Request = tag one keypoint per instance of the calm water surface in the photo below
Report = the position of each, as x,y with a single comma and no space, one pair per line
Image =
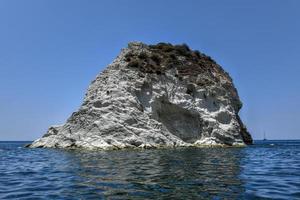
265,170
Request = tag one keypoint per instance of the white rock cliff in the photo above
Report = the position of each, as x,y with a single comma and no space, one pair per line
155,96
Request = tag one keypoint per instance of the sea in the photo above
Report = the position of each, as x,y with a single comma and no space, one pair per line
266,170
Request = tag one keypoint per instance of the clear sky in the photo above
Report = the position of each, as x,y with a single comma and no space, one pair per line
51,50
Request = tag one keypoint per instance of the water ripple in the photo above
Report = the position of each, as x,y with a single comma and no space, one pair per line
260,171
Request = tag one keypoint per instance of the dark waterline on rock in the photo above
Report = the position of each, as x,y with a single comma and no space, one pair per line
269,169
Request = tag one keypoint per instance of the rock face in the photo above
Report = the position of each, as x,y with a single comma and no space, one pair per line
155,96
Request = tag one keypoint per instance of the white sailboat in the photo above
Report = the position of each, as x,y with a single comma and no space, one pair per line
264,136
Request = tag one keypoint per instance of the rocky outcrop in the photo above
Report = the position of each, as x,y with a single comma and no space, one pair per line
155,96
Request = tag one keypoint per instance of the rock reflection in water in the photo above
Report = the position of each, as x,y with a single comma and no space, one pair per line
181,173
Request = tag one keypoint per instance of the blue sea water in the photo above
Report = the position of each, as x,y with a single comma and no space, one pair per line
265,170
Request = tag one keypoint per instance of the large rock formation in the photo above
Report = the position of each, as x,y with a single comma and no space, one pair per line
155,96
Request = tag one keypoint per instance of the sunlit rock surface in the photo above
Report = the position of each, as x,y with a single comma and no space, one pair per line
155,96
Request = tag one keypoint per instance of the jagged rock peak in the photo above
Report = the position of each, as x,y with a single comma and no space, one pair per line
159,95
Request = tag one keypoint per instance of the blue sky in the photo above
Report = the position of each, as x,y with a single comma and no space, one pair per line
51,50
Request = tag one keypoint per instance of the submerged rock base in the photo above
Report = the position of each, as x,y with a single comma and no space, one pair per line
155,96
